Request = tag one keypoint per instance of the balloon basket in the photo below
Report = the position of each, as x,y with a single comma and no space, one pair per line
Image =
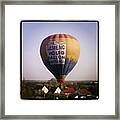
61,83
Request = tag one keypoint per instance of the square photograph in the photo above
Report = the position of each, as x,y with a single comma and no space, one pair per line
59,60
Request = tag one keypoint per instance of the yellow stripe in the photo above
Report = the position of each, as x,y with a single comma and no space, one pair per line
72,49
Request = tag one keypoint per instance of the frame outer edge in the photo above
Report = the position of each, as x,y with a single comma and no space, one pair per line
2,59
59,2
117,25
0,66
118,81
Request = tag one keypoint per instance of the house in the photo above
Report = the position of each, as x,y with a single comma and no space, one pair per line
84,92
45,89
58,90
69,90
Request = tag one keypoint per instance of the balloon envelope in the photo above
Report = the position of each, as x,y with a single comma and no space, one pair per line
60,53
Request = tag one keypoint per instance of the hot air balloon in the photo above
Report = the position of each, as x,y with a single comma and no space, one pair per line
60,53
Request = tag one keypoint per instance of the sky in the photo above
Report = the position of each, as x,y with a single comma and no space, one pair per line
33,33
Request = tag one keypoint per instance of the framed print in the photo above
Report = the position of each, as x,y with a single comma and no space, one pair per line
59,52
59,60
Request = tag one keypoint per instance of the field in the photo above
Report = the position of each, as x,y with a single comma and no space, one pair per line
51,90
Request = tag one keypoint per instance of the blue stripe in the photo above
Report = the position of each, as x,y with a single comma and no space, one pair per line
60,69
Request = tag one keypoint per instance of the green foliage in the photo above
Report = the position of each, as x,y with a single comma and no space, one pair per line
33,90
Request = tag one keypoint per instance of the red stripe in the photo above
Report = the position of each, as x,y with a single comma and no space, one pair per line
54,36
51,37
61,36
73,37
57,35
65,36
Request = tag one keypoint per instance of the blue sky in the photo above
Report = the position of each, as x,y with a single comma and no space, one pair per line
35,32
